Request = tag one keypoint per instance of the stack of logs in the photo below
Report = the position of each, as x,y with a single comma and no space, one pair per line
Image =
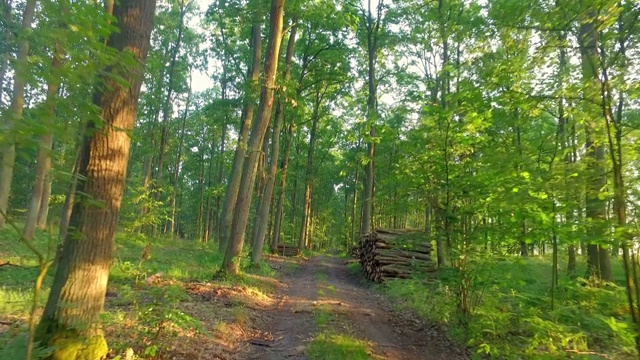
287,250
387,254
355,251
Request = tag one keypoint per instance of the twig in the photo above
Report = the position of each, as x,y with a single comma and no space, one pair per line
9,263
604,356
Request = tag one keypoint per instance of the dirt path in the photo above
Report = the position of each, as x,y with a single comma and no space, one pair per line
325,284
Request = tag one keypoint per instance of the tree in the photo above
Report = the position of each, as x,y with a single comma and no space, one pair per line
262,218
70,322
14,116
258,130
599,256
372,27
231,196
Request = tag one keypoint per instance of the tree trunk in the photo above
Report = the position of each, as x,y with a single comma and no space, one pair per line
176,172
258,129
373,29
265,204
231,196
277,226
38,209
8,38
599,260
70,323
166,109
15,112
306,208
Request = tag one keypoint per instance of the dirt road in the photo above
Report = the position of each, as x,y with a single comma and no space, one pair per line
325,285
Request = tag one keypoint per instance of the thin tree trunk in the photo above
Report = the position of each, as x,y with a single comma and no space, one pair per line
15,112
39,207
176,172
259,127
265,204
8,38
166,109
373,29
306,212
70,324
231,196
277,227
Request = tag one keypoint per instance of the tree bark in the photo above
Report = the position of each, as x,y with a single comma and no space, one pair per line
166,109
258,129
306,208
265,204
8,35
70,323
373,28
176,173
599,259
15,112
231,196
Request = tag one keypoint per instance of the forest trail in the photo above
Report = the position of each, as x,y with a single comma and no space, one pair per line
322,294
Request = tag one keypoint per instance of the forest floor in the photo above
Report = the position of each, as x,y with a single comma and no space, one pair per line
168,306
324,310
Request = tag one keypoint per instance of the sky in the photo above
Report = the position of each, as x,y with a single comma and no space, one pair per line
201,79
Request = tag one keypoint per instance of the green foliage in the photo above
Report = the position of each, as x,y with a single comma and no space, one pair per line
512,315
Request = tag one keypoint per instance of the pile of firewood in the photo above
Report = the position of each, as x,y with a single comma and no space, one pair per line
388,254
287,250
355,251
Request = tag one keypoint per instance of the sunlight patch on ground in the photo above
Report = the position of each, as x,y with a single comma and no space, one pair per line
247,296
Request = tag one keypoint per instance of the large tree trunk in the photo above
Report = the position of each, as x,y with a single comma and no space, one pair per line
599,259
70,324
15,112
245,193
265,204
231,196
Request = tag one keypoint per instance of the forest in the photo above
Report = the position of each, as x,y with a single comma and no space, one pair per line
326,179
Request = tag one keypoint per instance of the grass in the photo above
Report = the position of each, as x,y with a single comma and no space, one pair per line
333,346
512,316
166,319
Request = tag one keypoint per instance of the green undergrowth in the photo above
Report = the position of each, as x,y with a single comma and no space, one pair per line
160,292
512,315
329,345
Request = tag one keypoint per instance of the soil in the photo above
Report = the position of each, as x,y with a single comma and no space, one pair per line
326,282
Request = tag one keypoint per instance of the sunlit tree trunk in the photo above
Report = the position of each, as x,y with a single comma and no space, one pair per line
258,129
231,196
265,204
14,114
70,324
